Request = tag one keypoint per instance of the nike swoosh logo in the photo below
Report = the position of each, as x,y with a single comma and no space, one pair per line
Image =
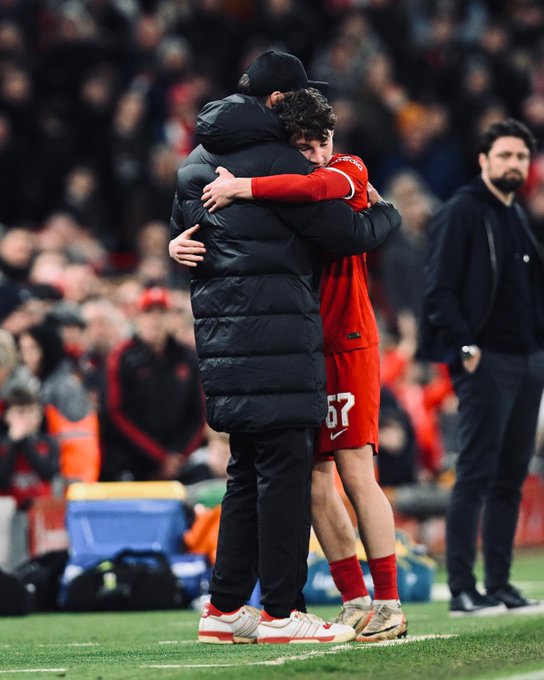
337,434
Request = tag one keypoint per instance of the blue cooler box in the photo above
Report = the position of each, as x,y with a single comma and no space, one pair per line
106,517
101,528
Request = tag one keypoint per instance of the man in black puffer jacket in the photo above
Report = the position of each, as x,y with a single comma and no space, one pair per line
255,299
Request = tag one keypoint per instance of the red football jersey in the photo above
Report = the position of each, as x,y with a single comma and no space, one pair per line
348,317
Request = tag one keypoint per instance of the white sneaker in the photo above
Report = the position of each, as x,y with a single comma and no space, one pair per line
238,627
356,613
301,627
387,622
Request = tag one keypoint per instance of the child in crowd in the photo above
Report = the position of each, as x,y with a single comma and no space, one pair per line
29,459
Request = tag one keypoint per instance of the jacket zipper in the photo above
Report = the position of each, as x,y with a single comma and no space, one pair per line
495,277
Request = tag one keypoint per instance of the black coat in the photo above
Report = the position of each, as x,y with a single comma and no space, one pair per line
465,261
255,297
153,407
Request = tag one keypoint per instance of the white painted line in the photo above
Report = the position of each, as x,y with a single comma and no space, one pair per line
71,644
178,642
36,670
404,641
308,655
531,675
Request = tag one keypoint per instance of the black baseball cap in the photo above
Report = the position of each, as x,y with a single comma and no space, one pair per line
280,71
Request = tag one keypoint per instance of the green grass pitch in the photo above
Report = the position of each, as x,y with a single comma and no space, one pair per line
162,646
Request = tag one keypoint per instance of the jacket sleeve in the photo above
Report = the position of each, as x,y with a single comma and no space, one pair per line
450,239
333,227
320,185
191,178
176,218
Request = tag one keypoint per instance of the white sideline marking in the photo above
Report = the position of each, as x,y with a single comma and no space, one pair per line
36,670
531,675
71,644
178,642
308,655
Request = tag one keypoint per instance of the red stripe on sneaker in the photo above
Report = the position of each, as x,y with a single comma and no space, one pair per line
289,638
220,635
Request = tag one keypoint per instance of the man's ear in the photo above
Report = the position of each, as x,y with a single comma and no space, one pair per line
482,158
276,97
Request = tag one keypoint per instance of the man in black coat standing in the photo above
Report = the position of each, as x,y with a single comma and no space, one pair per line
484,316
255,299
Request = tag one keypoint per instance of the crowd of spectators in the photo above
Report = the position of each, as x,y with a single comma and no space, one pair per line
98,104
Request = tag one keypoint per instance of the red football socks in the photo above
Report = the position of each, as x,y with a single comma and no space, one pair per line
348,578
384,575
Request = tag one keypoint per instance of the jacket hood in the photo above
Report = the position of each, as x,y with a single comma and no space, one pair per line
225,125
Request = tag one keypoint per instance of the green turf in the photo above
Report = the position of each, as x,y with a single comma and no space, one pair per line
127,645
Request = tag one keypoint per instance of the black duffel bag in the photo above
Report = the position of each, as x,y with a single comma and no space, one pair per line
41,576
15,599
131,580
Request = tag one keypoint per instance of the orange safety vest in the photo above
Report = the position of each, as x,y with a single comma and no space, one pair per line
78,444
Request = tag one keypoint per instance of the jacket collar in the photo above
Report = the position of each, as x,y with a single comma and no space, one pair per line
227,124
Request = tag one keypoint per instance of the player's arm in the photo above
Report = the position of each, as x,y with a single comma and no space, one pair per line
322,184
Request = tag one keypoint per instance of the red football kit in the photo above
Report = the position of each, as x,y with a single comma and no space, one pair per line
353,377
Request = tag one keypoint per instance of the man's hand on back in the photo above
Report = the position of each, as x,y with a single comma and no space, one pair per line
184,250
373,195
222,191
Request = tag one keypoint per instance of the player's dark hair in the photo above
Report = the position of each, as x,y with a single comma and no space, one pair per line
506,128
306,114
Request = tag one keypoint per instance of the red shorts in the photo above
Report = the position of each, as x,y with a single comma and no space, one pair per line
353,397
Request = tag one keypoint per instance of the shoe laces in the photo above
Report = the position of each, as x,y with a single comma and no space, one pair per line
312,618
348,609
381,614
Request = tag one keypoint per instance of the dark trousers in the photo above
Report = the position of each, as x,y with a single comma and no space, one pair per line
265,521
498,410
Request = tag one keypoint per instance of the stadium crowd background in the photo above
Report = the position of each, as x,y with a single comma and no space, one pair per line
98,104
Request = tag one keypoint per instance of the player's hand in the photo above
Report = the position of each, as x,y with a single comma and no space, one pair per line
217,195
184,250
373,195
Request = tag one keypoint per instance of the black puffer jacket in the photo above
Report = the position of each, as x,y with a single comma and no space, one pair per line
255,296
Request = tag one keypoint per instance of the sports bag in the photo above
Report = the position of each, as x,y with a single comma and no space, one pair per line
130,580
15,599
41,576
